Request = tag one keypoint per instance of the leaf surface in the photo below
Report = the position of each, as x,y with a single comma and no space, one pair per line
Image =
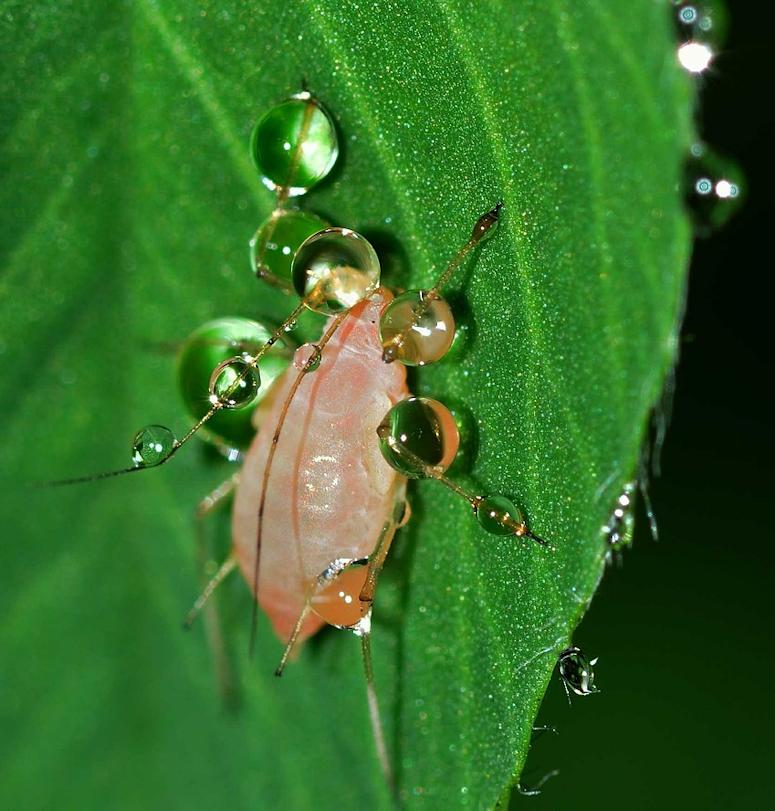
128,202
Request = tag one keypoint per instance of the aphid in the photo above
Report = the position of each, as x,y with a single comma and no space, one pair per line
576,672
323,486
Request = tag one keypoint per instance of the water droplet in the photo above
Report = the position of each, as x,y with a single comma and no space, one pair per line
152,445
695,56
498,516
294,145
234,383
335,269
702,21
416,328
338,602
307,358
714,189
418,433
209,346
619,529
276,241
577,671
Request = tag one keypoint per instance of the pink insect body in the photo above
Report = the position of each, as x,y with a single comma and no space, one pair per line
330,492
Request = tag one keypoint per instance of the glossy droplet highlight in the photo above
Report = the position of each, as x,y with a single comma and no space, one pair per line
577,671
418,437
416,328
152,445
294,145
307,358
713,189
234,383
276,241
204,350
498,516
335,269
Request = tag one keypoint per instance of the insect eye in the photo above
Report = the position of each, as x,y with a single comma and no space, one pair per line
294,145
335,269
339,602
419,437
416,328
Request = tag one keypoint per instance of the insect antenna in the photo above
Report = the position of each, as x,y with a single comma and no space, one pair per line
430,428
418,327
233,384
480,231
311,363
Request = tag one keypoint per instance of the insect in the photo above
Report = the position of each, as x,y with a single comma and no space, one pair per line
322,488
577,672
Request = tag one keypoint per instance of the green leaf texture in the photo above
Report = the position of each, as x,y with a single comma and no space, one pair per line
128,201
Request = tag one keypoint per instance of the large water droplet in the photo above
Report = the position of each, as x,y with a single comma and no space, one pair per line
713,189
416,328
577,671
152,445
335,269
276,241
426,429
206,348
294,145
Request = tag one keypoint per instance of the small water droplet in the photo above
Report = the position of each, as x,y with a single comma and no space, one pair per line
702,21
152,445
307,358
713,189
695,57
577,672
620,525
497,515
234,383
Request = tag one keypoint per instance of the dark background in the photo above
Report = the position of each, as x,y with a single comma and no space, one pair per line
682,630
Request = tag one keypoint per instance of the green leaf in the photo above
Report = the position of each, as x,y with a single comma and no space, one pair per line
128,202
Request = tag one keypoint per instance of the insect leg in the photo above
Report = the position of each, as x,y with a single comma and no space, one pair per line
376,562
224,672
374,714
293,637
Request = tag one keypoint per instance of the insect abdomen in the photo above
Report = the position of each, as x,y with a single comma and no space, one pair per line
330,490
